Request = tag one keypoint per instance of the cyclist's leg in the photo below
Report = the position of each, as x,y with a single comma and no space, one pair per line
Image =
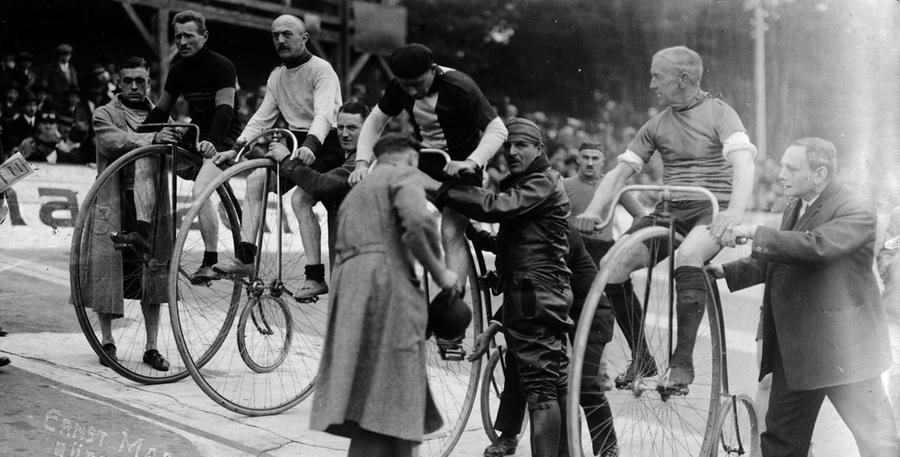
251,215
453,229
151,325
692,296
311,237
629,314
209,221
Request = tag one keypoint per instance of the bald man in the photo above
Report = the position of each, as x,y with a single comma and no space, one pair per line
304,90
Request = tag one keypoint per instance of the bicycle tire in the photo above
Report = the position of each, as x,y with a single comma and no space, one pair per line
737,427
645,423
225,377
84,238
491,389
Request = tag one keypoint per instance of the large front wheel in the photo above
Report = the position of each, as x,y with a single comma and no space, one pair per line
268,360
647,422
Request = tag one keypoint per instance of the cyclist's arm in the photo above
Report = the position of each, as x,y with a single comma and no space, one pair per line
222,116
484,205
633,205
324,108
368,136
612,183
482,239
164,106
494,135
264,118
740,152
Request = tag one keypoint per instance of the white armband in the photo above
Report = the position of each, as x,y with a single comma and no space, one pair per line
736,142
631,159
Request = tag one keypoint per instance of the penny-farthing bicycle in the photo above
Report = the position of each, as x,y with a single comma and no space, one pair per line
97,267
272,343
706,420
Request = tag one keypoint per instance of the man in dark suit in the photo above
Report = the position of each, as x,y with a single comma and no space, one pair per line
824,331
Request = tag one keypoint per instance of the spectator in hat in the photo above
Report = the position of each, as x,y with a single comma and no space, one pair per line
41,146
61,76
68,150
25,123
24,73
71,105
98,92
44,98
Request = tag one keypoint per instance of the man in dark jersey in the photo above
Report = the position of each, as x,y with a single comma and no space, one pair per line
702,143
448,112
207,81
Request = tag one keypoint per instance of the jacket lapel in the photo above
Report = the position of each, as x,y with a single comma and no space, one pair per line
816,205
790,214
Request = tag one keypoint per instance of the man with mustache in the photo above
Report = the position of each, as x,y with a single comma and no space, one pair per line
703,143
305,91
207,80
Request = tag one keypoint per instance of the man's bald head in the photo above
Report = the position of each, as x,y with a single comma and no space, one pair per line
289,37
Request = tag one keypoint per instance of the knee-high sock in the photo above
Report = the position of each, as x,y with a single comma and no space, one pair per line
692,296
628,311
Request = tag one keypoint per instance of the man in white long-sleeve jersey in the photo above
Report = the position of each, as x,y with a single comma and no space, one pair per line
304,90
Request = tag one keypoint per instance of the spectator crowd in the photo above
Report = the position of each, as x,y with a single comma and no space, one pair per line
46,108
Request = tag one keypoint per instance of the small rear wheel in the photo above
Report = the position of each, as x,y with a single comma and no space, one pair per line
738,428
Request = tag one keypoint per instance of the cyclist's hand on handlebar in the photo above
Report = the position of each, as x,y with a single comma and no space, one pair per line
725,221
224,157
305,155
716,269
278,151
362,169
585,223
737,235
207,149
456,168
167,135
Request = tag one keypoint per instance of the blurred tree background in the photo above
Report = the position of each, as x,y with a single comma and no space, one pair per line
832,69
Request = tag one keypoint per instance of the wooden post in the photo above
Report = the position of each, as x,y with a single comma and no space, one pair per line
162,43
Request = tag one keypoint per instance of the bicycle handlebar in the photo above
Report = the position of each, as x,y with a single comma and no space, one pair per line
143,128
667,195
246,146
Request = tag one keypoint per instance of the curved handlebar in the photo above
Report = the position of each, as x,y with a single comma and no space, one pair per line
435,151
667,195
159,126
246,146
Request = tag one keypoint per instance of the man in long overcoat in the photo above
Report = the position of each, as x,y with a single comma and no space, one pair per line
107,278
372,384
824,332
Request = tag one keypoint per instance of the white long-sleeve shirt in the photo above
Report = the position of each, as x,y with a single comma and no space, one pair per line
308,96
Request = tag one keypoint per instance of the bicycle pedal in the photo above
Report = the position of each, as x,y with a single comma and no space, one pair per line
451,352
665,392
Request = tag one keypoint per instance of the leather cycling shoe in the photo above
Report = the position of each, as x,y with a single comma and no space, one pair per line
156,360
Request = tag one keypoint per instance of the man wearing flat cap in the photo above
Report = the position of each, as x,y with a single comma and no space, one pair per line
532,243
61,76
448,112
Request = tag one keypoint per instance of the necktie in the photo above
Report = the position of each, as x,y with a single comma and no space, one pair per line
803,207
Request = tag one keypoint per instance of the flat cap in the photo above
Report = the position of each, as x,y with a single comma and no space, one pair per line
523,129
64,49
411,60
